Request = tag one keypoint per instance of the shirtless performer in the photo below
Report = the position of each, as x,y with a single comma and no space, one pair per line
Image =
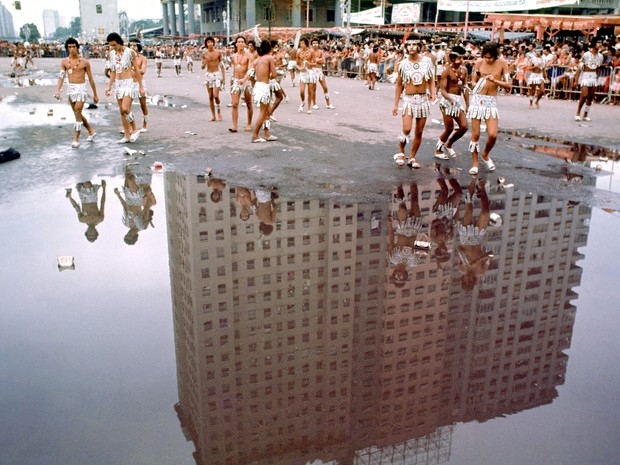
291,66
75,70
307,78
141,68
536,78
275,85
319,59
264,70
415,76
589,63
489,73
372,67
241,84
453,103
121,80
215,78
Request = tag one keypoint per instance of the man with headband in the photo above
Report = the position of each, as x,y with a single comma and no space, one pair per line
453,103
489,73
415,76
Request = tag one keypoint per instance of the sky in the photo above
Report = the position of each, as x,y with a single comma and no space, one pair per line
32,10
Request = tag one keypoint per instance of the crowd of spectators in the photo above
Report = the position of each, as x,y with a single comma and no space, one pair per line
348,59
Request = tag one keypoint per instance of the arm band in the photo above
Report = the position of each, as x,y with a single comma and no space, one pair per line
62,74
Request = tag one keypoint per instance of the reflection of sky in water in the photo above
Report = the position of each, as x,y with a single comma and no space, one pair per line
88,371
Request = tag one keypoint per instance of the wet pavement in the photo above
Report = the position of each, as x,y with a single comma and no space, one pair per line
183,333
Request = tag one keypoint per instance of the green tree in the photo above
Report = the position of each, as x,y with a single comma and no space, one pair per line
75,28
29,32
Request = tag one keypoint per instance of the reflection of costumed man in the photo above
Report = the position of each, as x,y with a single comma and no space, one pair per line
89,214
266,210
415,77
139,198
75,70
403,230
122,81
453,103
589,63
445,210
474,259
536,78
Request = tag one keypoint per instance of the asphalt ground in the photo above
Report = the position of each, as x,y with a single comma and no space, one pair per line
346,150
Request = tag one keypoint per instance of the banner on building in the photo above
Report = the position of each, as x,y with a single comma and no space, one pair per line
372,16
406,13
491,6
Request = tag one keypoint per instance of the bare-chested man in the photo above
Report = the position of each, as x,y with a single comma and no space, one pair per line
319,60
140,66
215,78
372,67
122,80
264,70
241,84
536,78
453,103
415,75
75,70
489,73
291,66
307,78
275,85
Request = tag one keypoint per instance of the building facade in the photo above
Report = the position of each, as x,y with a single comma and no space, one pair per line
7,28
99,18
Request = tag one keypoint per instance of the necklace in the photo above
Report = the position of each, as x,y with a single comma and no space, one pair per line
72,67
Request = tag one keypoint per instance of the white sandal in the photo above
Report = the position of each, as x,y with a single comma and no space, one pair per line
400,159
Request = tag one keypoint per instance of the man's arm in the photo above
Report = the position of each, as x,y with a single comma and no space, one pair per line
61,79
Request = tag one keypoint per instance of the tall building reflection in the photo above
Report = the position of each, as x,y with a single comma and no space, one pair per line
296,344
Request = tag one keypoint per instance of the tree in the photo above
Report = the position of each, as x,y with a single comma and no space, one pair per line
75,28
29,32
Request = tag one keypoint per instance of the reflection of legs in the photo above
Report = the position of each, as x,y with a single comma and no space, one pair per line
483,218
455,198
468,217
415,203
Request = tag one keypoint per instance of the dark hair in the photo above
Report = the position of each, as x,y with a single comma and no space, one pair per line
264,48
115,37
209,39
137,44
71,41
304,40
490,48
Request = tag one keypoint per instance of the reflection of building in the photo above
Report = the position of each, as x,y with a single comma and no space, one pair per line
505,342
99,18
295,346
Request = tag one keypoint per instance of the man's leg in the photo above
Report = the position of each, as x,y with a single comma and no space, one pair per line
417,139
474,145
250,109
460,132
235,97
211,103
